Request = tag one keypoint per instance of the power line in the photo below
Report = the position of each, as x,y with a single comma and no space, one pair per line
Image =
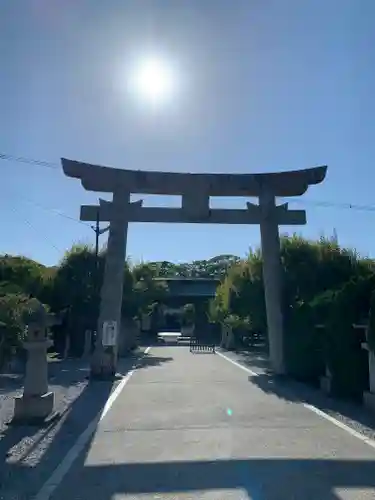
328,204
39,163
26,221
31,161
316,203
55,211
53,166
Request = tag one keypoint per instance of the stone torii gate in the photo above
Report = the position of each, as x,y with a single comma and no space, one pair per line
196,190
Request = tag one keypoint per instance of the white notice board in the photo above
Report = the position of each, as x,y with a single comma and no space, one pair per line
109,337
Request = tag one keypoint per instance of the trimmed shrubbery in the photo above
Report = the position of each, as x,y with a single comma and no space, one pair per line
323,285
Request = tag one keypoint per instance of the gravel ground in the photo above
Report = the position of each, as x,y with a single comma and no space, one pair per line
29,454
67,380
353,415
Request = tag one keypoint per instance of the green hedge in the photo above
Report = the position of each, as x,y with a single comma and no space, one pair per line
344,356
371,324
303,345
308,349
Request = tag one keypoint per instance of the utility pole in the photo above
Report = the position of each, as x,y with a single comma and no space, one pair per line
97,232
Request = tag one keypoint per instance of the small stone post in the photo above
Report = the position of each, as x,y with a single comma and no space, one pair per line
36,402
227,337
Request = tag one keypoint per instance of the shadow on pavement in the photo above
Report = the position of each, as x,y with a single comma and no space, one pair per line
253,359
148,360
291,390
10,382
63,372
29,455
260,478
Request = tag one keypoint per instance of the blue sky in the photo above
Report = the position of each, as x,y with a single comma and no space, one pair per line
265,85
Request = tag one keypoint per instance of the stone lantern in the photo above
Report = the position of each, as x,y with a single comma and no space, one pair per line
36,402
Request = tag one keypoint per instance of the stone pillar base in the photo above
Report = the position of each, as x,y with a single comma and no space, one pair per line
30,409
369,400
102,374
103,365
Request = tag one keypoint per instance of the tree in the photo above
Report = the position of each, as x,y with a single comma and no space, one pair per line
146,290
188,315
241,294
75,290
15,310
315,275
217,267
21,275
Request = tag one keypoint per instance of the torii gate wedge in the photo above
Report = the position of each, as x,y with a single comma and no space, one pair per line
196,190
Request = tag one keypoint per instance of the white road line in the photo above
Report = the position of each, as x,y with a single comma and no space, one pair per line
370,442
341,425
59,473
237,364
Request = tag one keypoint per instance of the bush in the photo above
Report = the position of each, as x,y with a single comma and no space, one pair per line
303,344
241,328
344,355
188,315
371,324
241,296
14,312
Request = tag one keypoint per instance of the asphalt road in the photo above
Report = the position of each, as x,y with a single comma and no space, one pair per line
194,426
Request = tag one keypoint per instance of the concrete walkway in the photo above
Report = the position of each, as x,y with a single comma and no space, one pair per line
193,426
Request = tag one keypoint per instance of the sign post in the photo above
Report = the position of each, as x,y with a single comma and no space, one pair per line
109,337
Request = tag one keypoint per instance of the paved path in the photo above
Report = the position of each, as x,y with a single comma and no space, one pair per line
192,426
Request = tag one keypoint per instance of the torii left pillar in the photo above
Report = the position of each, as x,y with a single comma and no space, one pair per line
104,359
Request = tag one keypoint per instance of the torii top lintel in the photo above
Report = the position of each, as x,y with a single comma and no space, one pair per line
105,179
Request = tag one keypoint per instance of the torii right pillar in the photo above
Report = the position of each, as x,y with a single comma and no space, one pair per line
272,279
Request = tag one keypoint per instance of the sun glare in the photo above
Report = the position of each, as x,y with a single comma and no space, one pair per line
153,80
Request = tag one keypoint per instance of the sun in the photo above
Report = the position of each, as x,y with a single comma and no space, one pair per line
153,80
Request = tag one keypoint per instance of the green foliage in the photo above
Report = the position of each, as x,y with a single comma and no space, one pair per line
72,289
241,294
311,268
344,356
188,315
217,267
15,311
21,275
303,344
337,345
75,289
241,327
145,290
236,323
322,284
371,324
